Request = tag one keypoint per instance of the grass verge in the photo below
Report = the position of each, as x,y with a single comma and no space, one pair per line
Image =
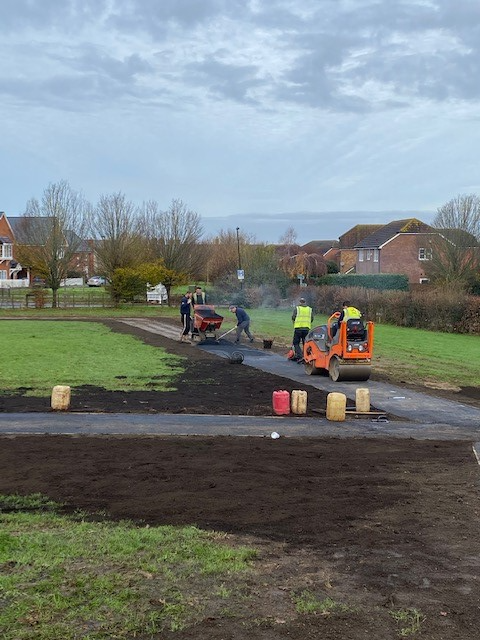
41,354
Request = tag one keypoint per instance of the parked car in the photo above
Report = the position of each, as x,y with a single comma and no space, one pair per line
157,294
96,281
39,282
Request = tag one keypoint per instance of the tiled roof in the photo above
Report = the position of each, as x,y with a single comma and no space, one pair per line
390,230
319,246
356,234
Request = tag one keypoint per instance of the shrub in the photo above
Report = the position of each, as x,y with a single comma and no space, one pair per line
381,281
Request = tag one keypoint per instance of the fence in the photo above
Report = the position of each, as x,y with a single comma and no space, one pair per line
24,298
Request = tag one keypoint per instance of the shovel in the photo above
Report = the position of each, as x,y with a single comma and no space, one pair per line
226,334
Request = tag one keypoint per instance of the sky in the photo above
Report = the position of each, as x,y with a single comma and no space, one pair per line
258,114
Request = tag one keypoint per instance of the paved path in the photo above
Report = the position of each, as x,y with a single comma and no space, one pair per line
406,404
203,425
426,417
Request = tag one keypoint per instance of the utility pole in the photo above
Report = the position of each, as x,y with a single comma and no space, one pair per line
239,260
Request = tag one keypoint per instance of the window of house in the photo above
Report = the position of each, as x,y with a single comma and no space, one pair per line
375,255
360,255
424,254
3,274
6,251
369,254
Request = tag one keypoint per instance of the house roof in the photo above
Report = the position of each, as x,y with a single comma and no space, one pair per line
27,228
319,246
31,230
5,240
392,229
357,233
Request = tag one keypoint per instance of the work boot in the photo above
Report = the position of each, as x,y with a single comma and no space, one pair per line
251,339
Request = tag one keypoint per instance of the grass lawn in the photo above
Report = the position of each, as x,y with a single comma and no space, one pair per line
42,354
411,355
72,578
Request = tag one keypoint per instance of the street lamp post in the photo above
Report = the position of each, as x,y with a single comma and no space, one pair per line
239,259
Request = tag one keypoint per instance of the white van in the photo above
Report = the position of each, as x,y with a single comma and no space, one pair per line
157,294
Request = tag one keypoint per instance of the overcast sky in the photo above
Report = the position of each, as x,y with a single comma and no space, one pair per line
261,114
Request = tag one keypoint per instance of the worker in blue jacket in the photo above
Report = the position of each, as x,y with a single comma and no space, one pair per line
243,322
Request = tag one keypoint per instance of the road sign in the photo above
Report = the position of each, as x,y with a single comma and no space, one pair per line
240,274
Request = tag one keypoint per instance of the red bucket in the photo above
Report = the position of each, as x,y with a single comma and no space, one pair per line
281,403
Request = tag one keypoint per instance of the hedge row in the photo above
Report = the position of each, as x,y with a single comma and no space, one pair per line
379,281
428,308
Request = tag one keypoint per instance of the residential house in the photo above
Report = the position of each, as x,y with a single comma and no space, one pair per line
343,253
82,261
402,246
9,268
319,246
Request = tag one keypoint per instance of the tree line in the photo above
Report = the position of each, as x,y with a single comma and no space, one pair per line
138,244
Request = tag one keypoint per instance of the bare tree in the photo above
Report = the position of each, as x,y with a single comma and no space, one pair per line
223,253
462,213
289,237
52,232
115,226
173,235
454,254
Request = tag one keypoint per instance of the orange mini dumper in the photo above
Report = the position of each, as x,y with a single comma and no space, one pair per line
206,322
345,354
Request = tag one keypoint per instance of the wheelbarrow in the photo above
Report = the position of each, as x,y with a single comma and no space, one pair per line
206,322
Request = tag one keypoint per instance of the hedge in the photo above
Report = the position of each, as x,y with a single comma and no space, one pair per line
380,281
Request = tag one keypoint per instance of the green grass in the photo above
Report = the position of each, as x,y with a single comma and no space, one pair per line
408,620
415,354
67,578
411,355
38,355
307,603
405,354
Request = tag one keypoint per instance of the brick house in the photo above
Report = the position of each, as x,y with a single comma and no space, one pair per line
402,246
343,252
83,260
9,268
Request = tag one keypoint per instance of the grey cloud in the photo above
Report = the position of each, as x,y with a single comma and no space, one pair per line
94,61
67,13
69,93
156,16
317,75
225,80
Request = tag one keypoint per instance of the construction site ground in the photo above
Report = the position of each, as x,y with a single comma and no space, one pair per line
379,517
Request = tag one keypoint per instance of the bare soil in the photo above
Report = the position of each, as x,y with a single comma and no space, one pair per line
380,526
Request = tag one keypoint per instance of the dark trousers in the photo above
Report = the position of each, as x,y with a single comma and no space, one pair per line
299,335
243,326
185,317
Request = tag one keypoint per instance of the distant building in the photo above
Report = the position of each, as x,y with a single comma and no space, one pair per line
9,267
401,246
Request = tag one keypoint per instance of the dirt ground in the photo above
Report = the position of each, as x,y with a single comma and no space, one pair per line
380,526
